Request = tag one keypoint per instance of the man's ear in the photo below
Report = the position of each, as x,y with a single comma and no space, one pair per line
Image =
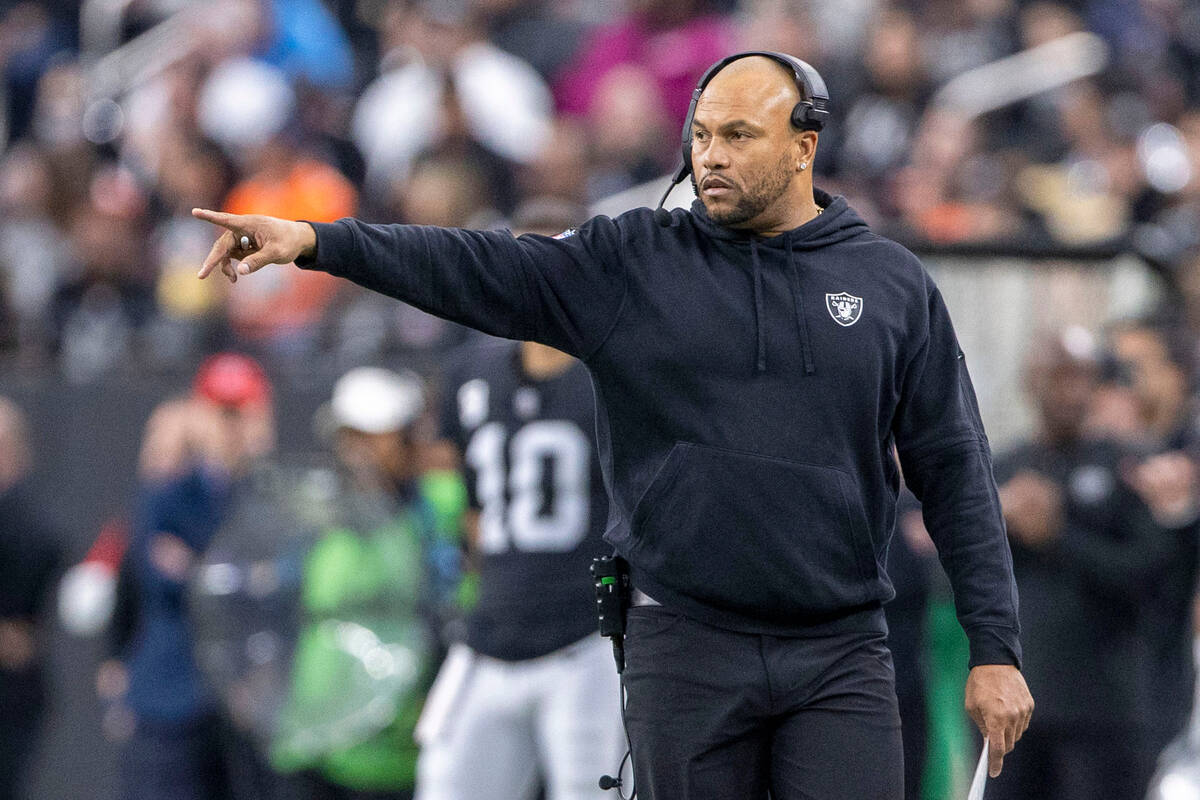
804,145
808,146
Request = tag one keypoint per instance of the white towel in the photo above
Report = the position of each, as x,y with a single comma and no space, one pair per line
981,775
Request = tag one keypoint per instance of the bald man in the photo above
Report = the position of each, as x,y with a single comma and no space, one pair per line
756,359
29,561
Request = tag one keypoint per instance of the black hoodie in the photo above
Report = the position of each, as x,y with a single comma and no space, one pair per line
749,393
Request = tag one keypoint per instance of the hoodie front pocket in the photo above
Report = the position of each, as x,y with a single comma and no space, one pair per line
766,537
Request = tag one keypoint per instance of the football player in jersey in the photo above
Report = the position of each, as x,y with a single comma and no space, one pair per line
530,698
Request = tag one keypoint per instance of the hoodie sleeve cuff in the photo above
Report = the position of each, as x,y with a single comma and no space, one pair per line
993,644
335,246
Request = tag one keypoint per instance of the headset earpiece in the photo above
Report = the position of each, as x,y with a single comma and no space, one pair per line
807,117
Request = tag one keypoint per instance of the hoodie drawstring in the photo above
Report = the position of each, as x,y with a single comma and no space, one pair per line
801,319
761,342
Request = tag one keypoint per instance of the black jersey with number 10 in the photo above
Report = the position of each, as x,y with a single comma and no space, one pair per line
529,457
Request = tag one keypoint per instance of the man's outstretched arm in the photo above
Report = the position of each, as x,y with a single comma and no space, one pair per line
565,292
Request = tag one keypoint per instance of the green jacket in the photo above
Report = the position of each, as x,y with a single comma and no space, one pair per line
363,659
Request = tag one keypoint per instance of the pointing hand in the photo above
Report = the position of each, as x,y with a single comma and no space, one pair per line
255,241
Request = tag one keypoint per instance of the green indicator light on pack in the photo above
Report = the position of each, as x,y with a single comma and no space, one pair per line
608,580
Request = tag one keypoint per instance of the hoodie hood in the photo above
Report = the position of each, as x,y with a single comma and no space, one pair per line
837,222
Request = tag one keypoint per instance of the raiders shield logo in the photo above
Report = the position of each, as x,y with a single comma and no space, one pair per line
844,308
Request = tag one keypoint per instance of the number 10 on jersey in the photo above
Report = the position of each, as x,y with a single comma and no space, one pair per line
537,499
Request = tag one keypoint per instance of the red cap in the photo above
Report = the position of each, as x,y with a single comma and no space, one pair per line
232,379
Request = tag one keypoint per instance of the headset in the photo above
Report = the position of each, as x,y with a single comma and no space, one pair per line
810,114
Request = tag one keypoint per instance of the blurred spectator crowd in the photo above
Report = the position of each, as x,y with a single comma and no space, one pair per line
117,118
120,117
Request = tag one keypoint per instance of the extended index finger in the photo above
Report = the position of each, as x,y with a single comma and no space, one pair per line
996,750
995,753
218,256
229,221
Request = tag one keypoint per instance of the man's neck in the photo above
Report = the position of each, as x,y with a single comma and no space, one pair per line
794,210
806,213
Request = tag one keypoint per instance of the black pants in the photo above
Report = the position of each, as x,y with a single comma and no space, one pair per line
205,759
19,727
175,762
719,715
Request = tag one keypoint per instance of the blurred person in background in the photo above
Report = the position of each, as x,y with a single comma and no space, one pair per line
562,169
188,322
1186,313
1154,360
882,115
444,191
390,568
1083,183
194,451
104,303
444,89
528,697
1166,477
323,123
362,326
284,315
57,128
306,41
1037,123
297,58
302,38
630,136
962,35
783,26
383,439
1086,193
1173,219
35,256
33,35
667,43
536,31
161,118
1088,552
954,188
29,561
